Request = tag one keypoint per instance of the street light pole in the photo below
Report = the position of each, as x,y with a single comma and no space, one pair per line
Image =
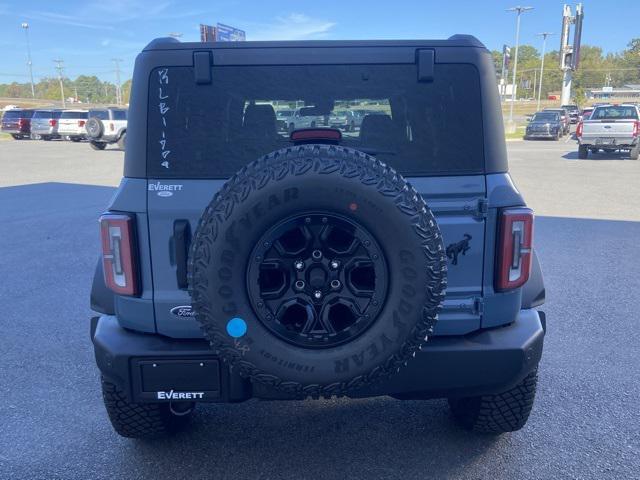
519,10
544,36
117,61
25,26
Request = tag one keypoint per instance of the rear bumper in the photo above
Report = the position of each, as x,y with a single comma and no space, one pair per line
147,367
540,135
16,131
71,133
618,142
52,131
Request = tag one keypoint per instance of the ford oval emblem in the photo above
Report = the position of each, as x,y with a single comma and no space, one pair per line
165,193
183,311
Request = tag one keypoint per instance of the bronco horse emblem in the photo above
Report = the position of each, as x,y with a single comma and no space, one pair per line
456,249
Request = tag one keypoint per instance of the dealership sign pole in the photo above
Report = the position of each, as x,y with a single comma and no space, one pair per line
570,54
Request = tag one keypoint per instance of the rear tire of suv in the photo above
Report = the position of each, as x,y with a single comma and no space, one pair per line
634,153
98,145
583,151
16,136
501,413
140,420
122,141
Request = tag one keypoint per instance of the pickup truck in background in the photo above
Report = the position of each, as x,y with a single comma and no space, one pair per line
610,128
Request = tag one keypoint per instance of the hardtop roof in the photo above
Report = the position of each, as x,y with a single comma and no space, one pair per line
170,43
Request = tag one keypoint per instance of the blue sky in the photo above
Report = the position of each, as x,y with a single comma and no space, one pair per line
87,34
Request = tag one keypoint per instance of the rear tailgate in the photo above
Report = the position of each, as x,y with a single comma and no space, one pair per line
456,201
69,126
613,129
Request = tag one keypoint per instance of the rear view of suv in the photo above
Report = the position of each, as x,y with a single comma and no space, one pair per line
105,126
72,124
17,122
242,261
44,124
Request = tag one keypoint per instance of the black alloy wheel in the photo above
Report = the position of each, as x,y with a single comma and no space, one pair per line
317,280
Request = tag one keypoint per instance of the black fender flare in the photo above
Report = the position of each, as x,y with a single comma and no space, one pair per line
102,298
533,292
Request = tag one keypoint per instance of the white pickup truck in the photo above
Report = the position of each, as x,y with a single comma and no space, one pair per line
610,128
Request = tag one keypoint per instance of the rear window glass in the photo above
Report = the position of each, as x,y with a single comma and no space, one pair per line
43,114
614,113
99,114
211,131
74,115
17,114
119,114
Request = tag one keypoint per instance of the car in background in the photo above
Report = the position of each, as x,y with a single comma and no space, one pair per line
17,122
347,120
574,112
44,124
282,119
105,126
610,128
544,124
305,117
564,117
72,123
586,113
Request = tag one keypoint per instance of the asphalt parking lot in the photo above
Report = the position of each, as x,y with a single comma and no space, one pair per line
585,423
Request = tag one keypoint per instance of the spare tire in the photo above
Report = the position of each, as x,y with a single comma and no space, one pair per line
317,270
94,127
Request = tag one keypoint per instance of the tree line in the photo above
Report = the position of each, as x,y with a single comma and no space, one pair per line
86,88
596,69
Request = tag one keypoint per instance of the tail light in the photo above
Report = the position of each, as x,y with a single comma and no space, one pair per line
579,129
636,128
22,122
111,127
53,122
81,123
514,248
118,253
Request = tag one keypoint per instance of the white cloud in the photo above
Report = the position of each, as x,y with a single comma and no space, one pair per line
294,26
71,20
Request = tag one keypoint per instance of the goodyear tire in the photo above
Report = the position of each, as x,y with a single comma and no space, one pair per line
500,413
317,270
122,141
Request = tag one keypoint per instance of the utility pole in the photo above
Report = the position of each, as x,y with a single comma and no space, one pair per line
544,36
25,26
519,11
59,68
117,61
